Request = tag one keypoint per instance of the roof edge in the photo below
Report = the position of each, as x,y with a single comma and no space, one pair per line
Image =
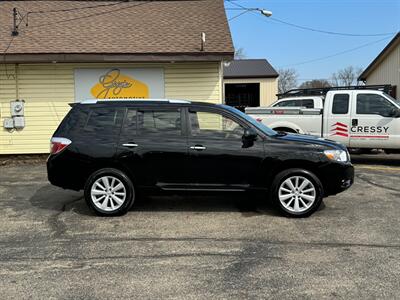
251,77
114,58
363,76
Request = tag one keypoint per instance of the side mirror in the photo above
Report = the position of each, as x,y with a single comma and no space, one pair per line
249,134
393,113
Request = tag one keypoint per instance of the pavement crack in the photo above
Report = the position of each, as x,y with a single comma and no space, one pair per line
376,184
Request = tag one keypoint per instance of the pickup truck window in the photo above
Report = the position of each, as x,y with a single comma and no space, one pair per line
373,104
340,105
214,125
307,103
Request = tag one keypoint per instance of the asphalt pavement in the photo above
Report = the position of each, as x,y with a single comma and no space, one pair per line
200,246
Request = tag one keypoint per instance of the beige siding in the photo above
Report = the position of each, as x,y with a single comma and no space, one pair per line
388,71
48,88
268,88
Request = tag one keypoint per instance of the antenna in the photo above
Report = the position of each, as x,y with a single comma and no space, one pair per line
17,20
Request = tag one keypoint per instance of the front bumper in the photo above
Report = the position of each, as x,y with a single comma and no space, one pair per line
336,177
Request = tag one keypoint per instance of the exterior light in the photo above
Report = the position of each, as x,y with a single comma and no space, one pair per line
266,13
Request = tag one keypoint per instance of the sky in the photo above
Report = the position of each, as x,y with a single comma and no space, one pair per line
288,47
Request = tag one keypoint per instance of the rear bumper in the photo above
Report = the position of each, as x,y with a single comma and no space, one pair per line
64,174
337,178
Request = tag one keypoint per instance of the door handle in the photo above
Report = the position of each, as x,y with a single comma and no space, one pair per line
198,148
354,122
130,145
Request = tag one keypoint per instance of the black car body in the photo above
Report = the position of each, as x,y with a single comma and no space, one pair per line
182,145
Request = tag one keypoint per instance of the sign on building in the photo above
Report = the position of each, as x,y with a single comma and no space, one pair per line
117,83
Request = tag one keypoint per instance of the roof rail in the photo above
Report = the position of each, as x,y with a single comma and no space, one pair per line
387,88
172,101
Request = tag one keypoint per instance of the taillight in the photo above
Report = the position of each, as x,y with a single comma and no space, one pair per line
58,144
258,119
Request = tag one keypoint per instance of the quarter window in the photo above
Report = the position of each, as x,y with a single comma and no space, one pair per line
340,105
373,104
214,125
104,119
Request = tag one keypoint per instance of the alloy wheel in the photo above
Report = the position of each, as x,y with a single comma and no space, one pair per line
108,193
297,194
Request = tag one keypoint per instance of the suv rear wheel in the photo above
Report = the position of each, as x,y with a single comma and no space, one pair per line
109,192
297,192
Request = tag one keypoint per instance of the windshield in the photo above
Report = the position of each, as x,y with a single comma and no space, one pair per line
256,124
393,99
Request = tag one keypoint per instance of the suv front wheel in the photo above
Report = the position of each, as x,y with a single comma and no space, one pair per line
109,192
297,192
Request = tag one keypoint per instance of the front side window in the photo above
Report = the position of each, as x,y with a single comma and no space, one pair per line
160,122
340,105
214,125
373,104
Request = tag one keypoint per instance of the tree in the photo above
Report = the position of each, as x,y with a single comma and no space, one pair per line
240,53
316,83
287,80
346,77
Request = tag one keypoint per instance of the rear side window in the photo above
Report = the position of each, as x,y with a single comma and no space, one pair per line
160,122
104,119
307,103
340,105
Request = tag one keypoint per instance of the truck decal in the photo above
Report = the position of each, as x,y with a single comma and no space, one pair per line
340,129
359,132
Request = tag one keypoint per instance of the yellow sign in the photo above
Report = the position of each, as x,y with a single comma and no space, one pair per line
113,84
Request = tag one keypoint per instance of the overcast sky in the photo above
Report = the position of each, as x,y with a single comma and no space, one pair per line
287,46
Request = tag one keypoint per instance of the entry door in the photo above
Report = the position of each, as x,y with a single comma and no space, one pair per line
372,123
218,158
337,126
153,146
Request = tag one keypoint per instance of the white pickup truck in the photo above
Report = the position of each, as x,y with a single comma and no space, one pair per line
358,117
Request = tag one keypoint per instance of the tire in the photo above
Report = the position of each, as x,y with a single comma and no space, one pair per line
109,192
285,196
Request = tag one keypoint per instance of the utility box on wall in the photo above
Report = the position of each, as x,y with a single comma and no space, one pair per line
17,120
17,108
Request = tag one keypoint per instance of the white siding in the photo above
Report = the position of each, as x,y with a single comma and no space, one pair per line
388,70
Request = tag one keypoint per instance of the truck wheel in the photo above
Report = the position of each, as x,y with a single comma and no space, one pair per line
296,192
109,192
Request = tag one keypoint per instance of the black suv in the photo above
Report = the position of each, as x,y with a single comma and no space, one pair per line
114,148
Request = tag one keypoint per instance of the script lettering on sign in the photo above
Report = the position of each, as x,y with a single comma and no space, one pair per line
114,84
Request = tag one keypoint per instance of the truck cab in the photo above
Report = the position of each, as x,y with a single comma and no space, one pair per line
359,117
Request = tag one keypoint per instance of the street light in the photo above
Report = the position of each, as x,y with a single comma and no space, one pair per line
264,12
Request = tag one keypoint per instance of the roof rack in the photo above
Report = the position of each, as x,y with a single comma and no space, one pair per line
387,88
174,101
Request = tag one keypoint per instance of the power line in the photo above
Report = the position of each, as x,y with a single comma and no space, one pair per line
335,54
241,7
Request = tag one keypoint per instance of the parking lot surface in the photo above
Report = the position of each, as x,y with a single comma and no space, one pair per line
200,246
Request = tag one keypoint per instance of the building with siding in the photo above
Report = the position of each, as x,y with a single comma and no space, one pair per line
74,50
250,82
385,68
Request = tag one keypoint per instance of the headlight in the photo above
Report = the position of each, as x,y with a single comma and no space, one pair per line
337,155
